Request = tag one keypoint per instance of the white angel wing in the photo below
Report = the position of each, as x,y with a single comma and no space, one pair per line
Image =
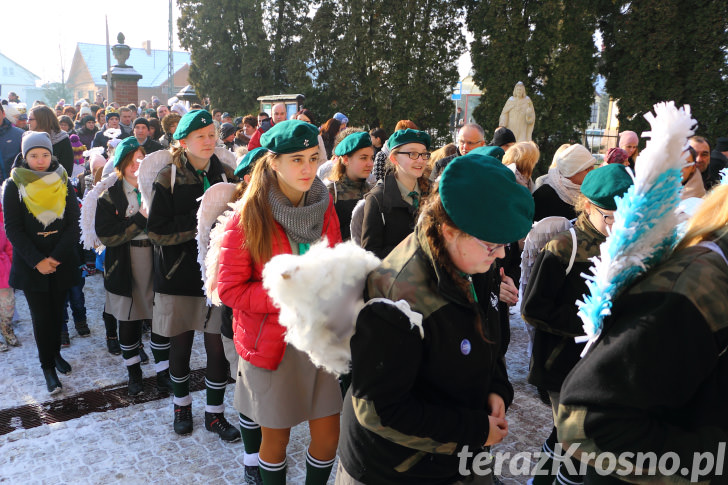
148,170
226,156
540,234
214,202
89,239
320,295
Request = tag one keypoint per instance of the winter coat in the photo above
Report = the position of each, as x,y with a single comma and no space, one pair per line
115,231
32,242
6,255
87,136
656,380
151,146
549,303
10,142
172,226
258,335
102,141
346,194
548,203
418,396
388,218
63,151
718,162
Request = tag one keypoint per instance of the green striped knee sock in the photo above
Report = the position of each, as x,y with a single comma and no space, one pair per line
272,473
317,471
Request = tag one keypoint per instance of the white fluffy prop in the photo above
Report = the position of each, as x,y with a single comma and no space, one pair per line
89,239
226,156
320,295
212,206
148,170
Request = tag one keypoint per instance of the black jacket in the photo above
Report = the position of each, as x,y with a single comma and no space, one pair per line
388,218
419,396
63,151
548,203
30,247
102,141
115,231
151,146
172,227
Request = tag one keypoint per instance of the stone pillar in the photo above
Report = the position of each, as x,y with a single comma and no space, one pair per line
124,78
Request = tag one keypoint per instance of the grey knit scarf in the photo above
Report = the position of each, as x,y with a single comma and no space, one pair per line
302,224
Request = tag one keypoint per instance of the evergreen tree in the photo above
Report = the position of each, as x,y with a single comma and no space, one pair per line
660,50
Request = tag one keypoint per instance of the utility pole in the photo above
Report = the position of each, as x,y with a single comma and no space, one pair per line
170,60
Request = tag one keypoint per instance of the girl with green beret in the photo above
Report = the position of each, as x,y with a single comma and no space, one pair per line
555,284
428,376
42,223
179,304
284,210
391,206
121,225
347,182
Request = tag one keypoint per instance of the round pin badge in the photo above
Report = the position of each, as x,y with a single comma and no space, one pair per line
465,347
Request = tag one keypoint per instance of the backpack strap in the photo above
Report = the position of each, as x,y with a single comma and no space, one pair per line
573,250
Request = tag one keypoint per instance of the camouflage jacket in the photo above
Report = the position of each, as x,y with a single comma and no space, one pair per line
549,303
418,395
172,226
346,194
657,378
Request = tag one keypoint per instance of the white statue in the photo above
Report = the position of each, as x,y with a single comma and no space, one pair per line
518,114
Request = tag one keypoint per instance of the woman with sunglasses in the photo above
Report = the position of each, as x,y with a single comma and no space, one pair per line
428,376
391,206
549,300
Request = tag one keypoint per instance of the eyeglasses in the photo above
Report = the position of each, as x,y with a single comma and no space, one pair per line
415,155
470,143
608,218
491,248
31,119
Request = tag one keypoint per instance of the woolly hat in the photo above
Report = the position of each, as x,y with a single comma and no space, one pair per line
86,119
194,120
616,155
341,118
35,139
227,129
127,146
110,112
290,136
502,136
85,110
140,121
574,159
352,143
628,136
602,185
78,149
247,163
238,121
721,144
483,199
491,151
402,137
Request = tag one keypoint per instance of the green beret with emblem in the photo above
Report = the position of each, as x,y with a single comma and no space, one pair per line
191,121
483,199
290,136
125,147
352,143
491,151
247,163
605,183
402,137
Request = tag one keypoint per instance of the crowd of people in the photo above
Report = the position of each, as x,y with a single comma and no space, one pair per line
428,376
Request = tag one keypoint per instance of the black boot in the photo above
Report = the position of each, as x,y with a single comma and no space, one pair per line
183,419
112,344
217,423
110,324
52,383
164,383
61,365
143,355
136,385
82,328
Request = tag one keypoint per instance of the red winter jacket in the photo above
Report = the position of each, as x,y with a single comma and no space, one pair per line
6,254
258,335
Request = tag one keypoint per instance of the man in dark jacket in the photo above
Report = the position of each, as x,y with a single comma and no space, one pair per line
718,159
141,133
101,140
10,138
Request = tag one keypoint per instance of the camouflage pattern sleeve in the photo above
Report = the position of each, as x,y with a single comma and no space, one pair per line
112,228
166,226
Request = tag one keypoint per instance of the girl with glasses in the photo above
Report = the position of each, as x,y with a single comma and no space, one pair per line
391,207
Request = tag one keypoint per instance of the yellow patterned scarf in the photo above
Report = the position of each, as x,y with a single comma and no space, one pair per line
44,193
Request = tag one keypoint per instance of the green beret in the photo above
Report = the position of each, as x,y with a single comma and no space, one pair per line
605,183
352,143
247,163
193,120
483,199
125,147
402,137
290,136
491,151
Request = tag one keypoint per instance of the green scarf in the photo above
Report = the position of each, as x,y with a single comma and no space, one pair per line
44,193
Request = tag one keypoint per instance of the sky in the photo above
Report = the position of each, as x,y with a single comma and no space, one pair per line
41,35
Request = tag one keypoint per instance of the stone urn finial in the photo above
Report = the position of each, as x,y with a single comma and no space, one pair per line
121,51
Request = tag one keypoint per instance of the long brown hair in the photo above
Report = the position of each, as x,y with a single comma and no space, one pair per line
256,217
430,222
45,119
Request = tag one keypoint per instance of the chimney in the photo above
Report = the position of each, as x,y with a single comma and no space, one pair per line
147,46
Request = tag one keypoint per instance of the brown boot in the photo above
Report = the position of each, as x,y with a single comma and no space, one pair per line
7,330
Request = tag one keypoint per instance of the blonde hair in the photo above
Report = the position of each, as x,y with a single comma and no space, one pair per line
525,155
710,221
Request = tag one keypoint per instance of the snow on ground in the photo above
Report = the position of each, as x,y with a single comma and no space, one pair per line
136,444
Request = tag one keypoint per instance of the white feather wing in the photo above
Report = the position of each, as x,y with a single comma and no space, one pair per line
226,156
148,170
89,239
